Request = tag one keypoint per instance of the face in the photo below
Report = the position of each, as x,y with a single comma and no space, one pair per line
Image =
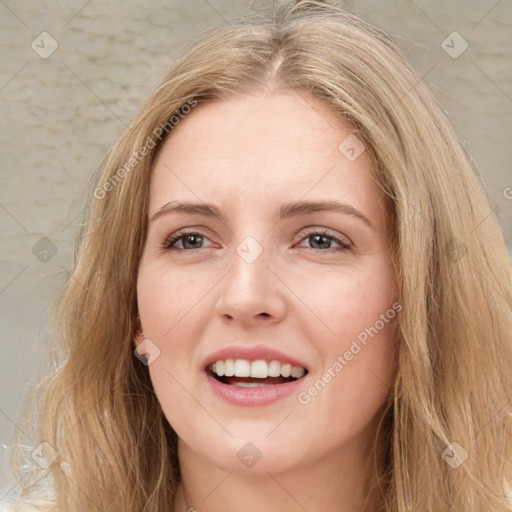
282,254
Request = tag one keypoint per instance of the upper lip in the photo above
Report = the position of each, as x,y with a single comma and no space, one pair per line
251,353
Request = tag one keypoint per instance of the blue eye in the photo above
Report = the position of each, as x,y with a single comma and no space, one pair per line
324,240
194,240
191,238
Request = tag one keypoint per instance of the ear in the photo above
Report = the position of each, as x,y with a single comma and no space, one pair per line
138,337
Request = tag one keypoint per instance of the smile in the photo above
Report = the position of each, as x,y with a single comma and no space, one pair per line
245,373
250,383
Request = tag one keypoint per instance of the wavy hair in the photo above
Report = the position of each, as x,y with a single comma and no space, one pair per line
97,408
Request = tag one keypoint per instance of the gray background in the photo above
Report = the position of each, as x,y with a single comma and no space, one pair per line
61,114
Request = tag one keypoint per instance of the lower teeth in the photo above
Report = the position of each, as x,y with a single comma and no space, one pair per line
249,384
246,382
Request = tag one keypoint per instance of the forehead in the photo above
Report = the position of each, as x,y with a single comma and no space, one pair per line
272,147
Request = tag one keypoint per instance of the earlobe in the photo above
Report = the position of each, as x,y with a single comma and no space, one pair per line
138,337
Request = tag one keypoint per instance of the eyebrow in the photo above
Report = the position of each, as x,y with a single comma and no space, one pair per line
294,209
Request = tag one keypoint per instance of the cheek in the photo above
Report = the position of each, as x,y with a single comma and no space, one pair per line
355,378
367,322
357,353
166,298
366,380
348,301
170,307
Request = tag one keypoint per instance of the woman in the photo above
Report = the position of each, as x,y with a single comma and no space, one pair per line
291,293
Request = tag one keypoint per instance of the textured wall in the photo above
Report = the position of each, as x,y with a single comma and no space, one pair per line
61,112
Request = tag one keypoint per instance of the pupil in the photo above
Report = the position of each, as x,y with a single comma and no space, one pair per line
318,238
193,238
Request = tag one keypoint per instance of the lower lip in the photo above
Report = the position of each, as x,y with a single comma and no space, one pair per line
256,396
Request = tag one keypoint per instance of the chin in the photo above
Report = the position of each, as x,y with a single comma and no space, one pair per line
252,455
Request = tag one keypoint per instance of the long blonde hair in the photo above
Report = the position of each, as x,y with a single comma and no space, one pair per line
451,402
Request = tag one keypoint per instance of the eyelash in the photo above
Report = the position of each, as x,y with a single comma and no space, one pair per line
171,240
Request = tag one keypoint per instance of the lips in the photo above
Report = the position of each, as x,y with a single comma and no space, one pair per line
257,352
253,376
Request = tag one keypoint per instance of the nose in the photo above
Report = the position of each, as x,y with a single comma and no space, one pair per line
251,292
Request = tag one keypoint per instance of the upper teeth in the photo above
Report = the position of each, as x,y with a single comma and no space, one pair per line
260,369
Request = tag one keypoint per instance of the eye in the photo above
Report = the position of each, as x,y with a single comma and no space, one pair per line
323,240
188,240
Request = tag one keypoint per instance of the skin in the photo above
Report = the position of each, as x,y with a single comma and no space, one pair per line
248,156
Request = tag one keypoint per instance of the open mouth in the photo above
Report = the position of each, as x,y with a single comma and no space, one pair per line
249,374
